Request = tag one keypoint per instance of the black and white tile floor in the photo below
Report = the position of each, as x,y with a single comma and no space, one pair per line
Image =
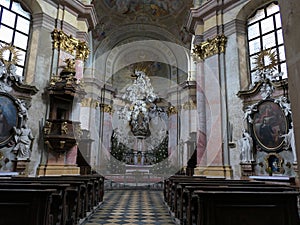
132,207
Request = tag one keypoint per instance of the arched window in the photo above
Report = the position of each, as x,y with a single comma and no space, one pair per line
265,32
15,29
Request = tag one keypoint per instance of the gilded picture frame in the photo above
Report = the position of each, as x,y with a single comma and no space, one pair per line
269,124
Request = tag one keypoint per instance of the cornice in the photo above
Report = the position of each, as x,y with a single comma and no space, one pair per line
235,26
43,20
86,12
197,15
255,89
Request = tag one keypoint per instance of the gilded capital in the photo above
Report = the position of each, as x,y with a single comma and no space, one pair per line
74,46
106,108
210,47
172,110
89,102
189,105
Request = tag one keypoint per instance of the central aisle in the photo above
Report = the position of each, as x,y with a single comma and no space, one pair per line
132,207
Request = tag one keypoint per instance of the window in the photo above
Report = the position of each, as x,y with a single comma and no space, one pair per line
15,28
265,32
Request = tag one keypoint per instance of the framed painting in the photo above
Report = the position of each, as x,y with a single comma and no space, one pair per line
269,124
8,117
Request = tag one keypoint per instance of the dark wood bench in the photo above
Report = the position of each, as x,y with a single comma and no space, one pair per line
191,199
25,206
246,207
83,197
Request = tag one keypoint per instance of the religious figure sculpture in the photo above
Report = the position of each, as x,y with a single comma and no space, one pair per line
246,147
284,104
289,140
12,73
23,138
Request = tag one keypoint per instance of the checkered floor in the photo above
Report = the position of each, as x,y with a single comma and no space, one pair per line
132,207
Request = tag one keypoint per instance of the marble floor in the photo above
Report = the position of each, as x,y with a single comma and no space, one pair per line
132,207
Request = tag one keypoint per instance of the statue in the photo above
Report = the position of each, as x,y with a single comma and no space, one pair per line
284,104
246,146
23,138
289,140
12,73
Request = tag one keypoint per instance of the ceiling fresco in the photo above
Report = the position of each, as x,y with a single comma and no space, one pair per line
167,17
156,8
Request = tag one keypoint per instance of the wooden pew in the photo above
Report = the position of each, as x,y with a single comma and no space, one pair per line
25,206
88,190
246,207
58,214
178,191
193,200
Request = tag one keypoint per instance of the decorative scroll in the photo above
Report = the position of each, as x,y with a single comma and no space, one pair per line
211,47
54,79
70,44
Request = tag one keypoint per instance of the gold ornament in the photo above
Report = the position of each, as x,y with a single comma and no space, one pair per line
266,60
13,51
210,47
68,43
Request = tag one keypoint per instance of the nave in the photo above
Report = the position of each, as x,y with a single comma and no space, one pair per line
132,207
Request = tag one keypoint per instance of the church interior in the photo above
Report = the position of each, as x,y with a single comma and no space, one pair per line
149,112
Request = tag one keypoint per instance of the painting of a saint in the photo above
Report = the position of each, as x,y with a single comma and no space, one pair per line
269,124
8,118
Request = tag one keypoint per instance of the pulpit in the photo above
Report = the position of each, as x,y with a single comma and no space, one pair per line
61,134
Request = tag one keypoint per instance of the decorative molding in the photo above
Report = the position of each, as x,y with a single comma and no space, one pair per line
211,47
209,8
84,11
235,26
68,43
43,20
54,79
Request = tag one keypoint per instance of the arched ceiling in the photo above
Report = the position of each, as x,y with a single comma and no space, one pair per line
167,17
131,32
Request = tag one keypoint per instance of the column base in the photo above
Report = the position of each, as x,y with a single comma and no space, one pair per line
214,171
57,170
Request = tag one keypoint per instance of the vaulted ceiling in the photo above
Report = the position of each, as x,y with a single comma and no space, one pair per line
144,19
131,32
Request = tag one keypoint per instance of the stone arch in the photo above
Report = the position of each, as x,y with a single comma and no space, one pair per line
32,6
132,37
250,8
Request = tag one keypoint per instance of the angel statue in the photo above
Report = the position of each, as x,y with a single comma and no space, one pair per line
246,146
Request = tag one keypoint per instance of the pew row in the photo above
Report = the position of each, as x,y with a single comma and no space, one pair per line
74,198
192,200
